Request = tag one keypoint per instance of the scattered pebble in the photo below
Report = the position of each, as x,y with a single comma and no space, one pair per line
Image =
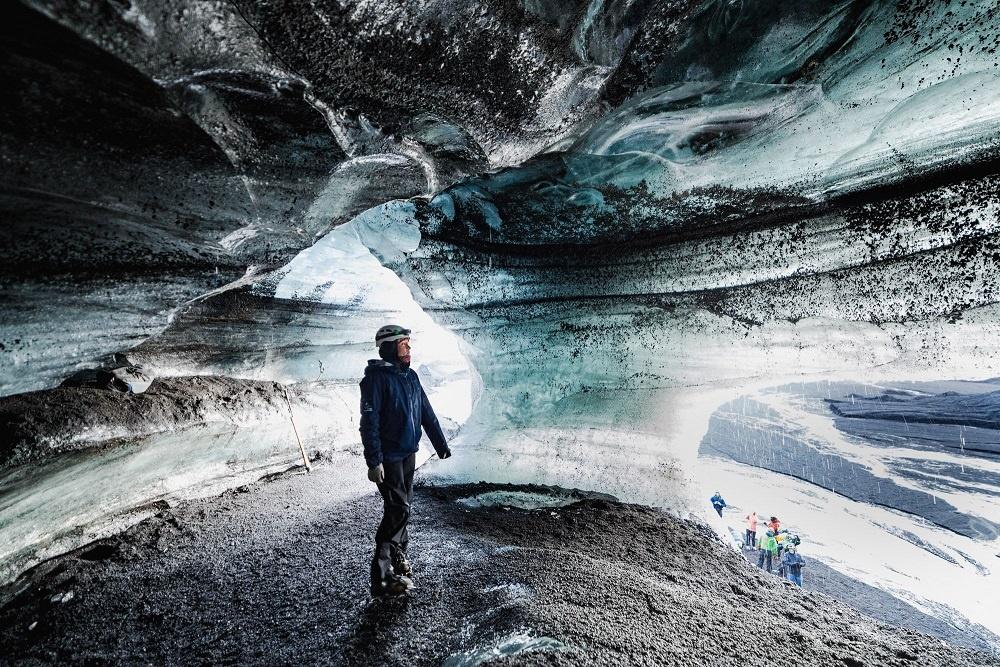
62,598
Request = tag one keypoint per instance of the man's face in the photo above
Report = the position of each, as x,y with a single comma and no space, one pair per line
403,350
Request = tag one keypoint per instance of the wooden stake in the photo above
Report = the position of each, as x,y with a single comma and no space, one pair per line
291,417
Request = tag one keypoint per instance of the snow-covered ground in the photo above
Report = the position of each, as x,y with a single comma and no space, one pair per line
853,505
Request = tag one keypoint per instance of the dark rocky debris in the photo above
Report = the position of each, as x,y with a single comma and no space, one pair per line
35,426
276,573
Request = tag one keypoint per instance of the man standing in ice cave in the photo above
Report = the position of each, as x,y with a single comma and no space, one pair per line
393,408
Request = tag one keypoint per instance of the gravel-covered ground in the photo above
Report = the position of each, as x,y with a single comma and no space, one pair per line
276,573
874,602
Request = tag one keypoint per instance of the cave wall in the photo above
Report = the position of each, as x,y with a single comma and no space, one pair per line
631,214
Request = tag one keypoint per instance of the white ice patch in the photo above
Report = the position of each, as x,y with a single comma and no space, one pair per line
958,119
520,499
347,186
238,237
340,270
136,17
514,644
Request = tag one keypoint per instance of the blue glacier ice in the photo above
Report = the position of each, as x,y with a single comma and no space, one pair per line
648,250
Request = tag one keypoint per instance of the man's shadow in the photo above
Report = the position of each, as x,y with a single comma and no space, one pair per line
371,639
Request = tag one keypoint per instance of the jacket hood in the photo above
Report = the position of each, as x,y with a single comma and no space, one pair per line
381,366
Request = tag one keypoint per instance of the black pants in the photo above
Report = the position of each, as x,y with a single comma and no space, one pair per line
751,538
397,491
718,508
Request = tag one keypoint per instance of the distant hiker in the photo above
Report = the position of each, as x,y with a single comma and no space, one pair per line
393,408
792,564
771,551
751,536
782,539
774,525
718,503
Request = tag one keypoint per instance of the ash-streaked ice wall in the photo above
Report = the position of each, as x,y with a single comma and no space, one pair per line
648,248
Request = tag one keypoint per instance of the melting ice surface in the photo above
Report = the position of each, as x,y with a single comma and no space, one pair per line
514,644
521,499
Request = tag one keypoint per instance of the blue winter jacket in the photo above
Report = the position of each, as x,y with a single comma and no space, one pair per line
717,501
393,408
793,562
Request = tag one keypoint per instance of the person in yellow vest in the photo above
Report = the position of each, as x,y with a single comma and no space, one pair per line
779,537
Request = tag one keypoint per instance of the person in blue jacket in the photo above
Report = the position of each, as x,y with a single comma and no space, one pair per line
717,502
792,563
394,407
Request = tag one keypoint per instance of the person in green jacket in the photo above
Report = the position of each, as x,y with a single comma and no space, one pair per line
770,550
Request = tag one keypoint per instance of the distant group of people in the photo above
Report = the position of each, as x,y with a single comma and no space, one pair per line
775,547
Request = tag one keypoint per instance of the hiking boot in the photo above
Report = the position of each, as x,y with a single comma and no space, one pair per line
391,585
401,566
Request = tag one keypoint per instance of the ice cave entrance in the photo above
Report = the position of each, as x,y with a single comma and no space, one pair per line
340,270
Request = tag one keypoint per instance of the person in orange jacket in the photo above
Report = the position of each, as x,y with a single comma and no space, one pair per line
774,525
751,536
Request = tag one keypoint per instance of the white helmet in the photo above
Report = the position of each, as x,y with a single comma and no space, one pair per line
389,333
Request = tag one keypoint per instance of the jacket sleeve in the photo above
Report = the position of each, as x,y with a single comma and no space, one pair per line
430,423
371,404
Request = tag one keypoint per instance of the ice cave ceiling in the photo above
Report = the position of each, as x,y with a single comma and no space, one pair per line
622,229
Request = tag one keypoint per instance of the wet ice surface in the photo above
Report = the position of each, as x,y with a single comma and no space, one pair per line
527,500
515,644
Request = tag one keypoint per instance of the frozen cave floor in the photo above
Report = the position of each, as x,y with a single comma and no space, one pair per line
276,573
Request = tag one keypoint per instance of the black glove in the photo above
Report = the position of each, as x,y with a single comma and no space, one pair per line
444,453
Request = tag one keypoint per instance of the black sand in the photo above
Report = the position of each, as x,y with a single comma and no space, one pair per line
277,574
